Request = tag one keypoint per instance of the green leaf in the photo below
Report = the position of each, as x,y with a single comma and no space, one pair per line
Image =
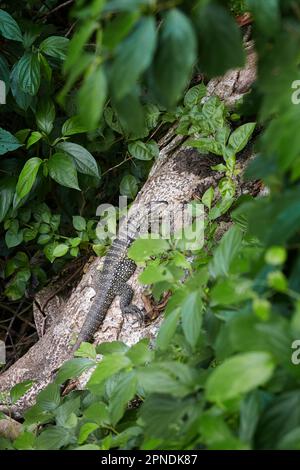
109,366
8,142
241,136
266,15
91,97
239,374
172,69
118,28
220,41
45,116
208,197
85,431
191,317
27,176
73,126
29,73
276,255
206,145
226,252
5,73
34,138
53,438
98,413
140,353
49,398
123,392
167,330
61,250
194,95
129,186
9,27
55,46
7,190
143,248
20,389
79,223
62,170
133,57
144,151
84,161
73,368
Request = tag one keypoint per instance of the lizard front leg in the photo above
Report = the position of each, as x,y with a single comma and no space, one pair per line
126,268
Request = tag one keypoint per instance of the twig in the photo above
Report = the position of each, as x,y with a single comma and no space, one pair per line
54,10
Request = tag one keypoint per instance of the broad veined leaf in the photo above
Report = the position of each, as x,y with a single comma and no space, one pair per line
91,98
241,136
226,252
27,176
20,389
9,28
175,57
23,99
191,317
129,186
238,375
83,159
133,57
55,46
194,95
53,438
60,250
49,398
8,142
62,170
109,366
73,368
78,42
143,248
220,41
144,151
207,145
45,116
34,138
29,73
73,126
7,190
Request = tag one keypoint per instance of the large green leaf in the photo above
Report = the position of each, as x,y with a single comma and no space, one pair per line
83,159
27,176
8,142
220,41
175,57
7,190
28,73
55,46
133,57
191,317
226,252
240,137
91,98
9,27
62,170
239,374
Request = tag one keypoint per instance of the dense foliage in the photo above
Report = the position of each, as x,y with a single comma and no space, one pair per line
222,374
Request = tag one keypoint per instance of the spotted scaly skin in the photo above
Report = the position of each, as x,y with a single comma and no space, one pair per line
112,280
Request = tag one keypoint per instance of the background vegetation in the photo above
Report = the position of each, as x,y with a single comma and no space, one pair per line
90,87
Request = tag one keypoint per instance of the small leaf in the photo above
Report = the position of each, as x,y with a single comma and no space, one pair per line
129,186
45,116
73,126
143,151
79,223
49,398
226,252
85,431
60,250
7,190
27,176
143,248
34,138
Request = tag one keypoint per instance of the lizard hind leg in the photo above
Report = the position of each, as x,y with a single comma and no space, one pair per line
127,308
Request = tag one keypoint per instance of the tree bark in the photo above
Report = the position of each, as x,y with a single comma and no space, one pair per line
178,176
